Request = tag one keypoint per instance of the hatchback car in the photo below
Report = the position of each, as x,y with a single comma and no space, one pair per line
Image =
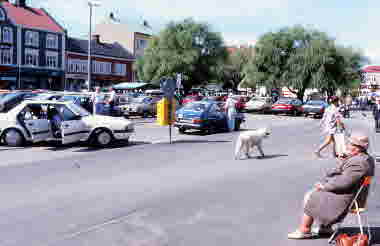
285,105
314,107
36,121
205,116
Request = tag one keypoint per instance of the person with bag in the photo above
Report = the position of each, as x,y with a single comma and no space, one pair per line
329,201
331,124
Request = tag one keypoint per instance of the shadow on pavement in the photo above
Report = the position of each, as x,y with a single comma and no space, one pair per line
116,145
199,141
269,157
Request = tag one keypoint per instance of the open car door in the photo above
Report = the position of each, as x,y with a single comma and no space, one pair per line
72,127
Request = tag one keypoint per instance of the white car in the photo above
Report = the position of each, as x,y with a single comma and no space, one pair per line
259,104
36,121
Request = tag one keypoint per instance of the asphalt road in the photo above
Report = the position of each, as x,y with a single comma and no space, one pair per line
151,193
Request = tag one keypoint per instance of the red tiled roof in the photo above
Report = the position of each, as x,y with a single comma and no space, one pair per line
31,17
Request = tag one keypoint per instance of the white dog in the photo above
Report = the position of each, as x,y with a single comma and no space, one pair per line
248,140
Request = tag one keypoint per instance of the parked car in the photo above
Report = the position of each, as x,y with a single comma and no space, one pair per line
314,107
285,105
240,102
47,96
12,99
205,116
259,104
34,121
192,98
141,106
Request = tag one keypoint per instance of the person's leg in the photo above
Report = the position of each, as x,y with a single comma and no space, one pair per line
329,138
306,223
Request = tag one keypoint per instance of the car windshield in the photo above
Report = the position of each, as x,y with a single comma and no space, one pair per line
195,106
78,110
315,103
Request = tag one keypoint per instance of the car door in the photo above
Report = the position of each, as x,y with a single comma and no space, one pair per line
73,127
38,128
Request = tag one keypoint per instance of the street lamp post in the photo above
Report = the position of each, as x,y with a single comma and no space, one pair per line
90,4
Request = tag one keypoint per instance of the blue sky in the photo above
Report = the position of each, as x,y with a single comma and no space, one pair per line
351,23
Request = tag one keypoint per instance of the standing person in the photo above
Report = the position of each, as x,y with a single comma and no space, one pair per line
96,109
111,100
376,114
230,107
331,124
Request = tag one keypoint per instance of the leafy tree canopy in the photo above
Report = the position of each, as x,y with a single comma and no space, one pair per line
300,58
185,47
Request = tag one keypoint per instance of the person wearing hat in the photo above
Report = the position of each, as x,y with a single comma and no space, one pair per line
331,124
327,203
376,114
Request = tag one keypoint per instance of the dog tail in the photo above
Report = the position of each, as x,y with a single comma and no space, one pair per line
238,147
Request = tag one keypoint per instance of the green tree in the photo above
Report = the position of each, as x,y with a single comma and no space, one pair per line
300,58
231,72
185,47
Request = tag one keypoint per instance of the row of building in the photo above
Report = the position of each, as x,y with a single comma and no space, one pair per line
36,52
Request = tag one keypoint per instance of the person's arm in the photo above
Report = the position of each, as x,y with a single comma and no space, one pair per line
351,175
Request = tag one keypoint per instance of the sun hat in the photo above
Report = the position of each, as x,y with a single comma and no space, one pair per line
359,140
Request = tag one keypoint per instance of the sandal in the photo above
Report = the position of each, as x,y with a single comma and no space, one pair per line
300,235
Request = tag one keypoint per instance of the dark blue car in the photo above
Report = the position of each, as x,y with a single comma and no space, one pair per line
206,116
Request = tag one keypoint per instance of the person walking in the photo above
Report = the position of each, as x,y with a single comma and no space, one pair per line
331,124
376,114
95,98
230,107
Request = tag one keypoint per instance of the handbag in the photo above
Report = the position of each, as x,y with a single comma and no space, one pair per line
355,240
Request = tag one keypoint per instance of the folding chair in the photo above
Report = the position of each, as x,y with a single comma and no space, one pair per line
357,209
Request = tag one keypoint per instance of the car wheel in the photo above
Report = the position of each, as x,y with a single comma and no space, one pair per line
14,138
103,138
181,130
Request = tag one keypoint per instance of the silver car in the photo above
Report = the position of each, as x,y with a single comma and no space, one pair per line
141,106
259,104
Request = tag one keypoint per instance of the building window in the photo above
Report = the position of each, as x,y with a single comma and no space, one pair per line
6,56
141,43
32,38
77,66
31,57
7,35
102,67
52,41
51,59
120,69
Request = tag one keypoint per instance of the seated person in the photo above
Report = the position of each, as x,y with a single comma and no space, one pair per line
56,120
328,203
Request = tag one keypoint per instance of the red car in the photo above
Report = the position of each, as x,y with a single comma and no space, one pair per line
191,99
291,106
240,102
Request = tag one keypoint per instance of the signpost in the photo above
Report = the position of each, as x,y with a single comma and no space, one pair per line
166,106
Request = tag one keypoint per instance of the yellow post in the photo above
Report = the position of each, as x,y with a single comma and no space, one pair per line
163,112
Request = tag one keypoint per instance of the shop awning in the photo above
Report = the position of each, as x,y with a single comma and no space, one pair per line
129,85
